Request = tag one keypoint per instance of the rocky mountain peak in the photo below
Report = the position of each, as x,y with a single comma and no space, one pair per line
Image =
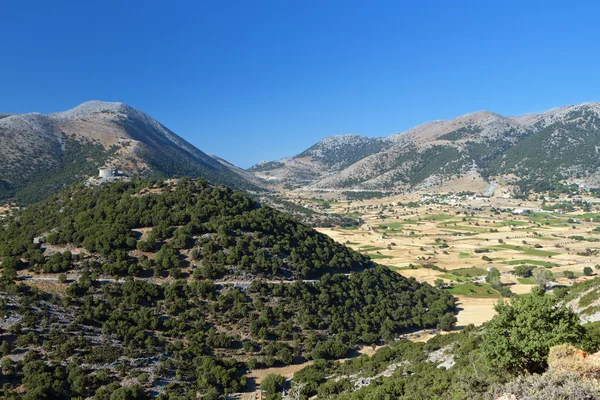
95,107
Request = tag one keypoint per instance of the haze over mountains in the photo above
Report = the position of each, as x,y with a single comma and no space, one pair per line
531,150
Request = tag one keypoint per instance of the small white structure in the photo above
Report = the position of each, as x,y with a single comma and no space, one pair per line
105,173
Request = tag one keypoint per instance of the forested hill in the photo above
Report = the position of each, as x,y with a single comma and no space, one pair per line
178,288
172,228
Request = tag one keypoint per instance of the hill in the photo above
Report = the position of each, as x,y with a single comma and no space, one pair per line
41,154
177,288
536,151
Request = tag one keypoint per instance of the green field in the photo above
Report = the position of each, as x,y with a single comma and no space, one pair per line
588,216
525,250
399,225
378,256
543,218
468,272
440,217
370,248
464,228
511,223
533,262
353,215
527,281
465,255
473,290
454,278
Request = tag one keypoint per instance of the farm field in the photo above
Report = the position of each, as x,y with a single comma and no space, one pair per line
459,242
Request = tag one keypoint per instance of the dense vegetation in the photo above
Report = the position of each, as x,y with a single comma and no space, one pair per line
212,284
477,363
224,231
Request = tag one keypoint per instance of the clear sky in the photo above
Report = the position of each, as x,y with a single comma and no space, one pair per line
251,79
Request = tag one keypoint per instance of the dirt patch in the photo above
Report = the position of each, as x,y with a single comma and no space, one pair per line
287,372
474,311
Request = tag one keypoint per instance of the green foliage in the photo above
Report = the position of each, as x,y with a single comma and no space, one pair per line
272,384
493,277
519,337
187,330
237,231
524,271
330,350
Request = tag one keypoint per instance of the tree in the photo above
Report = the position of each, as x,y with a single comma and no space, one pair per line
447,322
542,277
493,277
134,392
519,338
587,271
272,384
569,274
524,271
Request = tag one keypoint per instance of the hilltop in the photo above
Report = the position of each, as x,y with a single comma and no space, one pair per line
178,288
41,154
534,151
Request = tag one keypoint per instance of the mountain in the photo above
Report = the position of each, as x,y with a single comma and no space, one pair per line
179,287
534,151
42,153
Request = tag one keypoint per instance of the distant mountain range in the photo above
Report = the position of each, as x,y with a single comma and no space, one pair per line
42,153
532,151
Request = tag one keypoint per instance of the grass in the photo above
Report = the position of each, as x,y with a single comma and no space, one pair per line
440,217
482,290
587,216
527,281
370,248
464,228
511,223
543,218
454,278
465,255
349,228
467,272
532,262
399,225
378,256
353,215
525,250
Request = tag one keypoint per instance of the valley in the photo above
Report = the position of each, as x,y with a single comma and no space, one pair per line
358,261
452,240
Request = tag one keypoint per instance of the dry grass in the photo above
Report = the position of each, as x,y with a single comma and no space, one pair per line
568,359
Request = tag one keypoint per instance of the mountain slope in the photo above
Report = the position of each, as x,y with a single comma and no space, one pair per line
188,284
535,150
42,153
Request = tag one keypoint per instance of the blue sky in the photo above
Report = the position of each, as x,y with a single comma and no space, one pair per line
254,80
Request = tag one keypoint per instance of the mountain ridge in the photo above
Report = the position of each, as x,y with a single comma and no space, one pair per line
444,150
44,152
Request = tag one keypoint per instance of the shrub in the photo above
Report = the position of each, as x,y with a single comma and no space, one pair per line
272,384
519,338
